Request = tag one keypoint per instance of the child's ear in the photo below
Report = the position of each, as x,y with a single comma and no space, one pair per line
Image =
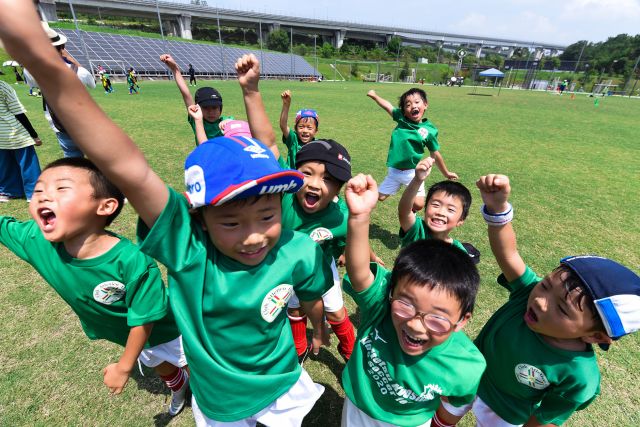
462,322
597,338
107,206
460,222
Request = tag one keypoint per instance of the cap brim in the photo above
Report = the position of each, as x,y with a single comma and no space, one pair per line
60,40
286,181
210,103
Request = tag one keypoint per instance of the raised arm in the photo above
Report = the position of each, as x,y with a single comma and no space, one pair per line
284,114
182,85
196,114
248,68
405,208
495,190
442,166
361,195
383,103
90,128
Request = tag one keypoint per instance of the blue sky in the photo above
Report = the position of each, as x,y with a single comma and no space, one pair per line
552,21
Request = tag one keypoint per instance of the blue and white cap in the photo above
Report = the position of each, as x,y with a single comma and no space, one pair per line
615,291
230,168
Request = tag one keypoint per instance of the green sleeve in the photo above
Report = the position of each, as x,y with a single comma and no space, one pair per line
293,146
431,142
14,235
528,278
415,233
396,114
371,300
556,408
147,298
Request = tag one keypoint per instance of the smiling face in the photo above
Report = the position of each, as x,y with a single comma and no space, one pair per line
306,129
413,336
247,230
414,107
556,313
64,206
319,188
443,213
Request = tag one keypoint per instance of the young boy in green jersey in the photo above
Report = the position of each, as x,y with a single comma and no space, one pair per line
304,131
116,291
541,366
208,98
447,206
408,141
231,267
412,365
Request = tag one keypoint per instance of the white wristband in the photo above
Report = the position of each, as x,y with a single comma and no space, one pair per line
497,219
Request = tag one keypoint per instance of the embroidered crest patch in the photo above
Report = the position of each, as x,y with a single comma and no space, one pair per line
109,292
531,376
275,301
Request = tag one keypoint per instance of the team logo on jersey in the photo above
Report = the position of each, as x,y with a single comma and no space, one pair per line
531,376
423,132
275,301
108,292
320,234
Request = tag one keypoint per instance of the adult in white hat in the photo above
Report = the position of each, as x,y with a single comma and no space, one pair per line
59,40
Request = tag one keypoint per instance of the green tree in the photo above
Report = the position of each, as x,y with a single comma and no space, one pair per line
394,45
327,50
301,49
278,40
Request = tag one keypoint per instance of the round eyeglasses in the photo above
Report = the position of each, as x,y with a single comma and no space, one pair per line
436,324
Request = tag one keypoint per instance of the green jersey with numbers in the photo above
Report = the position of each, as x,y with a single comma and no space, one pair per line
110,293
420,231
232,316
408,141
392,386
525,375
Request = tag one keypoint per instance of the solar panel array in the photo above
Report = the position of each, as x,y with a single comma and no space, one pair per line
117,52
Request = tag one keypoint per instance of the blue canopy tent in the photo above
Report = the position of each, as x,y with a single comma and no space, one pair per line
495,73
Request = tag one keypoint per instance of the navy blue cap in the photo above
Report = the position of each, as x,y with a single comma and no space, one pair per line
615,291
231,168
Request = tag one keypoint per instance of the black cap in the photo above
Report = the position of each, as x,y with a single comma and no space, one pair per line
335,157
208,97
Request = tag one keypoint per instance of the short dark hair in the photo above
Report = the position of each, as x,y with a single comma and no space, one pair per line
454,189
412,91
572,282
436,264
102,187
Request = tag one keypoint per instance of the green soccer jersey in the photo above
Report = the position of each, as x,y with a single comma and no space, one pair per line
420,231
212,129
525,375
233,319
293,146
392,386
110,293
328,227
408,141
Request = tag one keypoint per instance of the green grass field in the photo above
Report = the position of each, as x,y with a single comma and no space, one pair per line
574,169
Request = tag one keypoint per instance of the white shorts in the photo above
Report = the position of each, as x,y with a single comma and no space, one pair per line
485,417
352,416
287,411
171,352
395,179
332,299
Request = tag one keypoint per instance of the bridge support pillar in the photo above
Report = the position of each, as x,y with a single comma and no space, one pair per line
47,9
510,52
478,51
184,25
338,38
539,53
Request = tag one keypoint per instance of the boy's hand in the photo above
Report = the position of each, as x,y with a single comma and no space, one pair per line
423,169
37,141
371,93
286,97
196,113
361,194
224,124
452,176
115,378
248,69
169,61
495,190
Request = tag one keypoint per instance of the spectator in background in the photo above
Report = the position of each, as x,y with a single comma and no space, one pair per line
192,76
19,167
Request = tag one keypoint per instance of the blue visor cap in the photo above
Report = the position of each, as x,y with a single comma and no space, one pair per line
615,291
231,168
301,114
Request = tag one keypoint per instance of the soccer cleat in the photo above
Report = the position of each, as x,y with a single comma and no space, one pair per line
179,398
302,357
4,198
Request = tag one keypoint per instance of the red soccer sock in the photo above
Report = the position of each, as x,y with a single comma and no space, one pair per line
346,335
176,379
299,330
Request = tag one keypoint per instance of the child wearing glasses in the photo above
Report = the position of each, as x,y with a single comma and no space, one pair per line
412,365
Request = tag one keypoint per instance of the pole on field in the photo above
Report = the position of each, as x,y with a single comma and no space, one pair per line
261,53
84,45
632,75
224,70
164,41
